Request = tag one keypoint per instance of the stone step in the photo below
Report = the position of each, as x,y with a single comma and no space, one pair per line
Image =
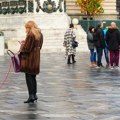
81,43
58,50
53,36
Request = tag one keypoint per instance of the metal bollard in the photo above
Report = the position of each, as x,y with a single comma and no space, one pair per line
2,47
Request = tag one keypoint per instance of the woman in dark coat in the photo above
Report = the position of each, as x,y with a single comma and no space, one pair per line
113,40
30,58
99,43
91,46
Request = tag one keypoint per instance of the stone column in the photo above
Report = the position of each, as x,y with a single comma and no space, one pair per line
27,6
34,2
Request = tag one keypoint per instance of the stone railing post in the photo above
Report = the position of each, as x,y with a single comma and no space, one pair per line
2,47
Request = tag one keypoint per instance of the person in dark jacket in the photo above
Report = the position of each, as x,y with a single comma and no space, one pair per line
113,40
91,46
99,43
30,58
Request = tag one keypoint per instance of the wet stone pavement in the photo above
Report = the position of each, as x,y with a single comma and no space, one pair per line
66,92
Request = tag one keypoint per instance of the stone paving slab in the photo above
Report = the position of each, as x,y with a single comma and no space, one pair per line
66,92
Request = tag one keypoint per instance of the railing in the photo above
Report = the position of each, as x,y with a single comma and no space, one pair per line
16,6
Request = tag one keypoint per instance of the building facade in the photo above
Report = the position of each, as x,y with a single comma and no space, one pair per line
111,9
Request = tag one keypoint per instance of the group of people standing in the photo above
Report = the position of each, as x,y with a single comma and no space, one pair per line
100,39
105,40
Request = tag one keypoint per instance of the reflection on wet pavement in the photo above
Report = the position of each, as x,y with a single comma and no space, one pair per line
66,92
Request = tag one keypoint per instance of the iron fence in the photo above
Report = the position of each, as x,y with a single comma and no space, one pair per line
86,23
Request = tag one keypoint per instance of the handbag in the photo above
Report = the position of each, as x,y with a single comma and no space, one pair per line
74,44
15,60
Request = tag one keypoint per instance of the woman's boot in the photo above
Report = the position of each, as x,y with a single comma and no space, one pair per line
69,57
73,58
30,99
35,97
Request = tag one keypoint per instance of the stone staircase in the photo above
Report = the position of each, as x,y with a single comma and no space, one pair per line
52,29
53,41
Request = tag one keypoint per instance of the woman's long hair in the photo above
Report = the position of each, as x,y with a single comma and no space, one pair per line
33,29
90,28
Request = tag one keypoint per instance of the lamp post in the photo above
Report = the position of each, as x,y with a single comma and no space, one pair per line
75,22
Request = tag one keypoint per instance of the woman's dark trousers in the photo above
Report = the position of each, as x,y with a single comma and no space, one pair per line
114,57
31,84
